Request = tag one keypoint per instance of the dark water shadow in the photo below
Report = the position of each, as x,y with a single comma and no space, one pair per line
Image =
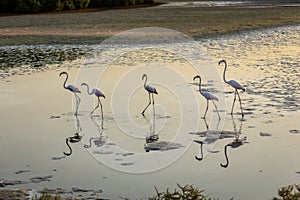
75,138
101,139
208,140
236,143
152,141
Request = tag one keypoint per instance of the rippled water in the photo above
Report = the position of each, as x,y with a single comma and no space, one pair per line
249,4
106,160
271,57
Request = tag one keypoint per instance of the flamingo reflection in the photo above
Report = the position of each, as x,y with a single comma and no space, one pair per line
152,137
201,150
153,143
236,143
98,141
74,139
211,136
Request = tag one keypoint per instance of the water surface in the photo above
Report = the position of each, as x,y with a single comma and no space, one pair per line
37,119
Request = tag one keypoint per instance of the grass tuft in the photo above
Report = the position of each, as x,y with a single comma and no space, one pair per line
290,192
183,193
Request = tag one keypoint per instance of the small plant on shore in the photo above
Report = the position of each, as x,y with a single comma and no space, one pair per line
290,192
46,195
184,192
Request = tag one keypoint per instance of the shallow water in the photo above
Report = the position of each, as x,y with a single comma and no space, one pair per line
248,4
263,148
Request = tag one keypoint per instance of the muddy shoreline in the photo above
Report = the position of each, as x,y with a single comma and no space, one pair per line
94,27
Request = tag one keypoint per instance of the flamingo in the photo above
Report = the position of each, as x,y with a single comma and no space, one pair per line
98,94
151,90
208,96
73,89
236,87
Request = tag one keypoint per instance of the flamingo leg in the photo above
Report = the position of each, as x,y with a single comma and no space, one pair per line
101,112
96,106
240,103
207,127
152,99
79,129
77,103
233,101
216,108
205,110
148,104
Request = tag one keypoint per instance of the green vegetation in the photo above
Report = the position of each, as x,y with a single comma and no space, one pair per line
45,195
290,192
37,6
184,192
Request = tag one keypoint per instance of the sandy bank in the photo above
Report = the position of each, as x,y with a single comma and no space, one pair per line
93,27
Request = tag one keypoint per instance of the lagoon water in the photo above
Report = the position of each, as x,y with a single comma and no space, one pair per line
116,160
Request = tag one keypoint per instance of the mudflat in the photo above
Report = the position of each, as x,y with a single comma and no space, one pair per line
93,27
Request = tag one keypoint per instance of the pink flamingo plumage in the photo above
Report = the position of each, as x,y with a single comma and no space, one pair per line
208,96
151,90
98,94
236,87
72,89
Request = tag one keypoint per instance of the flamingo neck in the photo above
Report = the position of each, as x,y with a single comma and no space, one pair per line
88,89
64,85
145,80
200,86
225,68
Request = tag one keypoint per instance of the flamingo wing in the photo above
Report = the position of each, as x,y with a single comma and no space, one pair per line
72,88
150,89
236,85
98,93
209,96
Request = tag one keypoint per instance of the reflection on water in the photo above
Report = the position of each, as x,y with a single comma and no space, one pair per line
235,3
267,61
24,59
101,139
153,137
191,4
152,141
75,138
236,143
213,135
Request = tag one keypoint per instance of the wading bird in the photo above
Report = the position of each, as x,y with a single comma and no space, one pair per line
73,89
208,96
151,90
98,94
236,87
